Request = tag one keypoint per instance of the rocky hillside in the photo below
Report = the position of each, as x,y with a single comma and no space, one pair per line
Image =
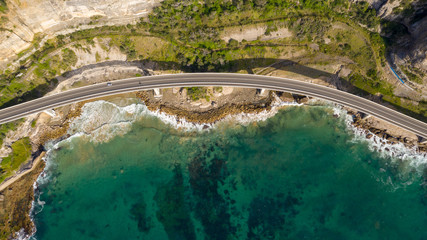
24,23
405,24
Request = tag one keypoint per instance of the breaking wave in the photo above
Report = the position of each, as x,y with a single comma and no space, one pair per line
409,159
101,121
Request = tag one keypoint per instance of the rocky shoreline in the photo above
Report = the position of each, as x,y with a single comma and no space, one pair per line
392,134
17,192
207,116
16,201
18,196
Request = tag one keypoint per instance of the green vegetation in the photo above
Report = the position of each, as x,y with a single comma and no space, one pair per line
412,74
197,26
3,6
126,46
371,84
21,151
3,20
97,57
6,127
186,35
218,89
345,43
405,8
195,21
95,19
423,106
196,93
69,58
50,67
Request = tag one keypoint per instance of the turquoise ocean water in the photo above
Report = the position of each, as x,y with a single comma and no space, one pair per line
298,175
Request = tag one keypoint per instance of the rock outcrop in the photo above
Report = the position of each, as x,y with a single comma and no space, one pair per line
409,35
26,20
405,26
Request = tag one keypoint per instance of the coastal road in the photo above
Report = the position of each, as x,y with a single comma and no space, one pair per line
214,79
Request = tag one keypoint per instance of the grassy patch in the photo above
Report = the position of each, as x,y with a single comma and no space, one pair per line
218,89
371,84
3,20
196,93
6,127
411,75
3,6
126,46
153,48
97,57
21,151
344,42
69,58
187,34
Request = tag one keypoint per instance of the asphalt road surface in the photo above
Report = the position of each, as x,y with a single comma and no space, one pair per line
214,79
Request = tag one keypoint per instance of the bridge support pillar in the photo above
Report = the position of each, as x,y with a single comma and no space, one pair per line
157,93
263,92
176,90
50,112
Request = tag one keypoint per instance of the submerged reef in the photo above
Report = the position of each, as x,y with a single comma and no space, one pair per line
174,212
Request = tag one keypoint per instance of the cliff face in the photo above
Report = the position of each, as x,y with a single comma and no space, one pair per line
407,31
25,18
414,50
410,46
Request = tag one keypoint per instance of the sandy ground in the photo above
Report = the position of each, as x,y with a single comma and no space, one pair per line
253,33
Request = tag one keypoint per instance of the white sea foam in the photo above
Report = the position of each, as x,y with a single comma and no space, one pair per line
240,118
20,235
100,121
410,158
247,118
176,122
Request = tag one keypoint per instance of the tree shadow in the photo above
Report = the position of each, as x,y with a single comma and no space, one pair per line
36,92
284,64
116,63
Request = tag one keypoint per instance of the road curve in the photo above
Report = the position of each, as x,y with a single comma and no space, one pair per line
214,79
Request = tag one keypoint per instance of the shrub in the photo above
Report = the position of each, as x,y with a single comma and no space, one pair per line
196,93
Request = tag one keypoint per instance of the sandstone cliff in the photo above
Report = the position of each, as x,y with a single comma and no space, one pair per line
26,24
26,20
406,29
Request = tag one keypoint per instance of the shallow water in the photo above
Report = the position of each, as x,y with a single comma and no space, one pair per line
297,175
